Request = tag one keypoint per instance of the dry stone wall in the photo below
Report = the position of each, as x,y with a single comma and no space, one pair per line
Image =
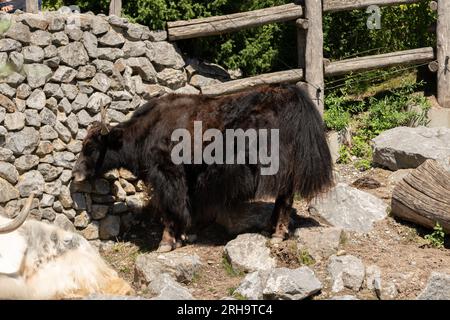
56,72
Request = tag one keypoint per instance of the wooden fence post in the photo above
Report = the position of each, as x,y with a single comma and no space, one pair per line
314,69
115,8
443,53
31,6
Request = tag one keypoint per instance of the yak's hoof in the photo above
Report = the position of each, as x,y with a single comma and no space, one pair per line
276,240
164,248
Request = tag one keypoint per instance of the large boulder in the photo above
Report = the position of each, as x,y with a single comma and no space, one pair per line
291,284
437,288
319,242
349,208
346,272
403,147
248,253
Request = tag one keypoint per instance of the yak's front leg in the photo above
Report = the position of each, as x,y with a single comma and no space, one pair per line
281,216
172,201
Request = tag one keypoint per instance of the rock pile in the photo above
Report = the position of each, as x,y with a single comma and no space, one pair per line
56,71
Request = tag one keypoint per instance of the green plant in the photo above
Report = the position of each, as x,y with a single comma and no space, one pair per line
229,268
437,237
305,258
344,155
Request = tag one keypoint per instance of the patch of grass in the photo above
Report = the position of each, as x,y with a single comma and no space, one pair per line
305,258
343,240
344,155
229,268
437,237
239,296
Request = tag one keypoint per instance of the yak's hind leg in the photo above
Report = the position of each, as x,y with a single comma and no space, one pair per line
172,201
281,215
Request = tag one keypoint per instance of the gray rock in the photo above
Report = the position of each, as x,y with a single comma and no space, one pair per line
344,297
70,214
8,191
6,90
33,54
34,21
23,91
99,26
91,44
20,32
112,39
32,118
253,285
26,162
181,266
134,49
437,288
91,232
168,289
70,92
291,284
22,142
84,119
172,78
47,133
200,81
31,181
116,116
53,62
54,188
7,45
109,227
80,102
53,90
403,148
56,23
50,51
6,155
63,222
101,82
104,66
248,252
8,172
17,60
63,133
37,74
373,278
48,117
6,103
86,72
99,211
49,172
41,38
319,242
97,101
60,39
73,32
346,272
73,55
46,202
165,55
64,74
143,67
64,159
349,208
135,32
72,124
36,100
187,89
2,114
119,208
48,214
15,121
82,220
158,35
111,54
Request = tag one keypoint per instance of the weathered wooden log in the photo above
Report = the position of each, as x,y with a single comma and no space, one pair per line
433,5
314,71
344,5
289,76
423,197
433,66
443,53
415,56
233,22
31,6
115,7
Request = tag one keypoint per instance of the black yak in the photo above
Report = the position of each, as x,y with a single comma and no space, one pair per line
186,193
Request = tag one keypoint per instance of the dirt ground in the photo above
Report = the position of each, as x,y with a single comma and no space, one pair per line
398,248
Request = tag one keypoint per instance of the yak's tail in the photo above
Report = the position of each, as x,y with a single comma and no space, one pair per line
314,168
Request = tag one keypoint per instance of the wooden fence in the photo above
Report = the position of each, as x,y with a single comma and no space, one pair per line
312,67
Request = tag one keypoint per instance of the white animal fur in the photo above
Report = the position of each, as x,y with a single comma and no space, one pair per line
41,261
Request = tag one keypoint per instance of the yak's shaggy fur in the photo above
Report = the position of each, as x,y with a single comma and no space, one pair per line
41,261
143,145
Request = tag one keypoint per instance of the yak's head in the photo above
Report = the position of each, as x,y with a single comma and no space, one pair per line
93,152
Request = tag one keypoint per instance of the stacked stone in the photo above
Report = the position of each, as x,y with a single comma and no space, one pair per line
56,72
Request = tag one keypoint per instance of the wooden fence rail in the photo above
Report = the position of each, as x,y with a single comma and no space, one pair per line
312,68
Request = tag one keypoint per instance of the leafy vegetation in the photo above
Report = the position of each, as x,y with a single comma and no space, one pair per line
229,268
305,258
437,237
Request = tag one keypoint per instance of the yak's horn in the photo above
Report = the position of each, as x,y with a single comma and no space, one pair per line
104,121
20,219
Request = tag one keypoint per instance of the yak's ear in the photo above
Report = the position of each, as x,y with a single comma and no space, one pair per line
115,138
